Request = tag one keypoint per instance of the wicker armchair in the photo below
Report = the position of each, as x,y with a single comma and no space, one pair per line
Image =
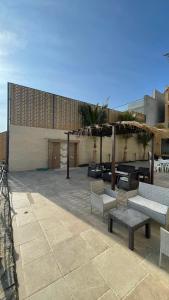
102,199
164,243
125,168
129,182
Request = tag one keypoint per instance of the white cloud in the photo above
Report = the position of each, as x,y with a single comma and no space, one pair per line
10,42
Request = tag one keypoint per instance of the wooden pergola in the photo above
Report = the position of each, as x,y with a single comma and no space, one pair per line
118,128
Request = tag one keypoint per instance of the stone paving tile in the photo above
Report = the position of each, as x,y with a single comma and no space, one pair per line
29,232
50,223
78,227
34,249
45,212
57,234
19,270
120,271
55,291
20,200
149,289
40,273
68,211
69,219
151,264
73,253
109,295
86,283
24,216
94,240
21,283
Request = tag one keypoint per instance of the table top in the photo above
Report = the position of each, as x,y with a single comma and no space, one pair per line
128,216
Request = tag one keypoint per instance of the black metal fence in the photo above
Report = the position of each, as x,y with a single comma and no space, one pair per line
8,276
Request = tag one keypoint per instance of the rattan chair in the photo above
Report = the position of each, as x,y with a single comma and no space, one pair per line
164,244
102,199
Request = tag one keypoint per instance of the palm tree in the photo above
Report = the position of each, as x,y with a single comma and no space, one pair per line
144,138
127,116
93,115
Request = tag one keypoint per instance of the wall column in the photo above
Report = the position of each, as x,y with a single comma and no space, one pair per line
68,139
113,177
151,161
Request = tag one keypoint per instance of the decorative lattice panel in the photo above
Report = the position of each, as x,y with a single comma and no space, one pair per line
34,108
30,107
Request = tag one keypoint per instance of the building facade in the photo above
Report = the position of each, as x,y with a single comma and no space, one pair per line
37,124
153,107
156,111
2,146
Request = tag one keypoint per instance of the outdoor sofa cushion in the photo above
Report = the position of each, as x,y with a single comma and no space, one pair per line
155,210
110,193
124,179
155,193
107,201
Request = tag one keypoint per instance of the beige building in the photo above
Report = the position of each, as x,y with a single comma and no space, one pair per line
2,146
37,124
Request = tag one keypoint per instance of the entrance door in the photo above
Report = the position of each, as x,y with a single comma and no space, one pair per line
73,155
54,155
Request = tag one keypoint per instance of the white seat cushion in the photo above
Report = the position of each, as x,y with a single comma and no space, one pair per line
155,206
108,202
124,179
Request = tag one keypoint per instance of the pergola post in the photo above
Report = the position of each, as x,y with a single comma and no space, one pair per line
151,161
101,143
68,138
113,178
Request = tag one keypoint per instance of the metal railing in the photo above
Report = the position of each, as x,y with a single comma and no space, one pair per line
8,276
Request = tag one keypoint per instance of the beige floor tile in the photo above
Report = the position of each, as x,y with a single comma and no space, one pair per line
45,212
39,199
95,241
109,295
69,219
49,223
57,234
55,291
40,273
149,289
24,216
19,270
21,284
20,200
151,264
29,232
119,270
73,253
34,249
77,227
86,283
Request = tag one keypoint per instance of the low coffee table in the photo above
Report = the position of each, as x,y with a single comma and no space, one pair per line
132,219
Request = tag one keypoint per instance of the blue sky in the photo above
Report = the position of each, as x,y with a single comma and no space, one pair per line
88,50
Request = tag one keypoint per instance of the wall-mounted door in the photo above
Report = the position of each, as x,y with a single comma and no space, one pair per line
54,155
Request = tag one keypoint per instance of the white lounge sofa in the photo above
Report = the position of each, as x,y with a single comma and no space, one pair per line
153,201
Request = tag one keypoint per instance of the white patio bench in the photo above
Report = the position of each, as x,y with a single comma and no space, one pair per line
153,201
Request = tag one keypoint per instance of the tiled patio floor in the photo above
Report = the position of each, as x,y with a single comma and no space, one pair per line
63,252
